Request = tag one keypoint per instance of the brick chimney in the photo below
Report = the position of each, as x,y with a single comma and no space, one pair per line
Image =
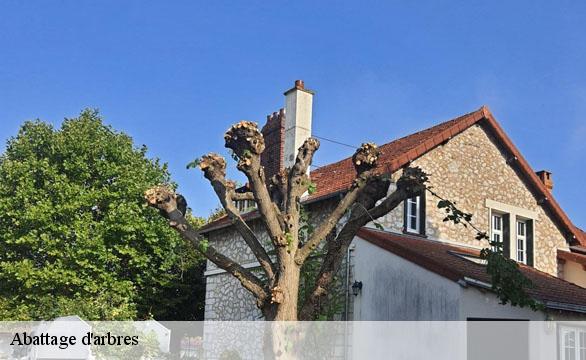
546,179
298,113
274,135
286,130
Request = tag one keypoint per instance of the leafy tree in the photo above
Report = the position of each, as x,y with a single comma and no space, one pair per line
184,298
277,290
75,236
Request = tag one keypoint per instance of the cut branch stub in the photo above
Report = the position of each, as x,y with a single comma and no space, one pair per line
277,295
278,188
304,157
310,146
244,138
213,166
365,157
162,198
412,179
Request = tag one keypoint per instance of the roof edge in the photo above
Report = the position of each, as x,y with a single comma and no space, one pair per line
572,233
547,198
376,238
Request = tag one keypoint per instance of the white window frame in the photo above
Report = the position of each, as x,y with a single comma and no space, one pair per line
575,351
493,230
521,241
515,214
416,216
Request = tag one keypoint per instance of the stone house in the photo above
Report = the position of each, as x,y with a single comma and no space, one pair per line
420,267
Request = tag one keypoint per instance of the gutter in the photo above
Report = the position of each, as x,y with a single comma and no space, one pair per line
565,307
548,304
467,280
324,197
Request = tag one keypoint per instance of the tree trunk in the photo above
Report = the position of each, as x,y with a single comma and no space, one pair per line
286,292
278,338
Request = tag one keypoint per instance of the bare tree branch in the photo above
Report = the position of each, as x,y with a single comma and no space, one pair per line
214,169
165,200
365,159
247,143
410,184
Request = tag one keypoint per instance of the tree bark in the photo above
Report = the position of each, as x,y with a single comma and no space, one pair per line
164,199
214,168
286,292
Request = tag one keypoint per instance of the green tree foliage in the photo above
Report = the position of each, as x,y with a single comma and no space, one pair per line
75,237
184,298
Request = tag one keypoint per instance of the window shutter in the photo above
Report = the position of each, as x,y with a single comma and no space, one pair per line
507,236
529,231
422,213
405,215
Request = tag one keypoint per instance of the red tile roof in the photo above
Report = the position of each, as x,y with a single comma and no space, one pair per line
572,256
443,260
337,177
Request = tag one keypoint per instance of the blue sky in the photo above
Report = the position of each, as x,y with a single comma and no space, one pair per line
176,75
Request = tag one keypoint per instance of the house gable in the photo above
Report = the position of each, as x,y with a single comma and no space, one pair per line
473,169
335,178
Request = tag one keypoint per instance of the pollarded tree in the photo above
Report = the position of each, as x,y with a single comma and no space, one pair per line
279,204
75,234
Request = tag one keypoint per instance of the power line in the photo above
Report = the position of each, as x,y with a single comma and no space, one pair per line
317,166
334,141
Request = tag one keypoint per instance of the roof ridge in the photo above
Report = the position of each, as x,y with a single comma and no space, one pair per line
334,178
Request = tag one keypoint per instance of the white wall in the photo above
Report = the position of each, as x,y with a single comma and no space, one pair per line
478,303
396,289
406,291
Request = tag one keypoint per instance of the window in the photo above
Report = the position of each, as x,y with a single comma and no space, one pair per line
497,229
513,229
412,217
572,343
522,241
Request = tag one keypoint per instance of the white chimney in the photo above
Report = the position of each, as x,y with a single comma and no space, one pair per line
298,108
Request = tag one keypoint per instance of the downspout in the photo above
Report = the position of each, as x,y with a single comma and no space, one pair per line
347,299
347,283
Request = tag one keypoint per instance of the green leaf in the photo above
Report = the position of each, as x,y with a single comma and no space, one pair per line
203,245
193,164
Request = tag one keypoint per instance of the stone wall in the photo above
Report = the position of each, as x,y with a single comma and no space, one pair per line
226,299
469,169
